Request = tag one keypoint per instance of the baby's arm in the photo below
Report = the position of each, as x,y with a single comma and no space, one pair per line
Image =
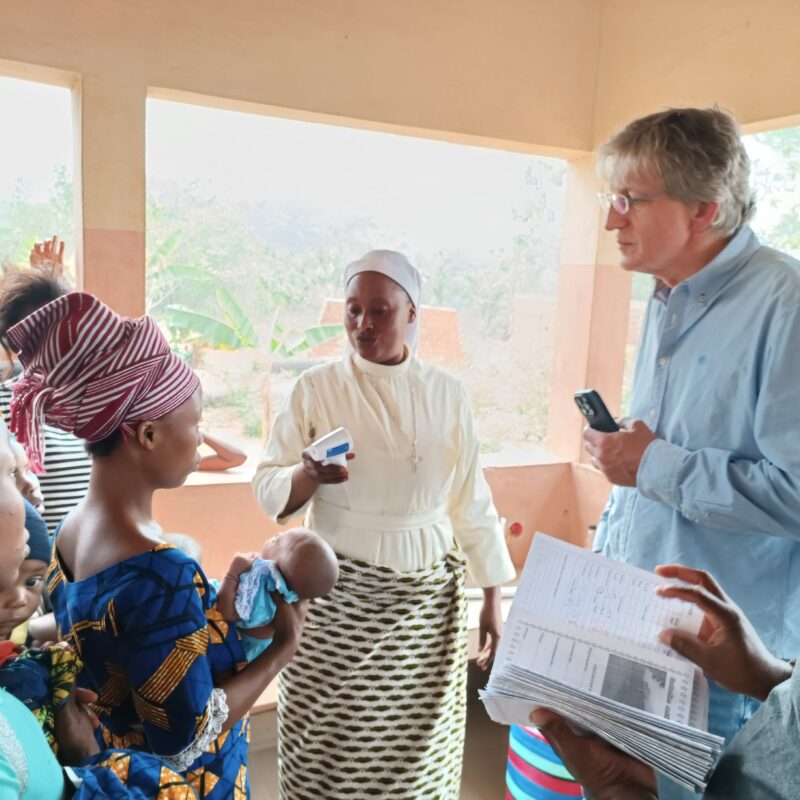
226,596
261,632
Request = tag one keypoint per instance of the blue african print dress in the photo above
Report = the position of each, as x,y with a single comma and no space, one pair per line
29,770
154,646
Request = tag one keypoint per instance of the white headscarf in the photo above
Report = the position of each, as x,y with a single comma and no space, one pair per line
396,267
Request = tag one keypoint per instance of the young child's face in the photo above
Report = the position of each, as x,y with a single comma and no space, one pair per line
18,603
27,482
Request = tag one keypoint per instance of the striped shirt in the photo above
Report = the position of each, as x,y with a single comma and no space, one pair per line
67,466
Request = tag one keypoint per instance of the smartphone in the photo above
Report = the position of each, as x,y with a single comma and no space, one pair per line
591,405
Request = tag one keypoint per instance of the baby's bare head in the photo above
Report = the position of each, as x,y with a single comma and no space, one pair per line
305,560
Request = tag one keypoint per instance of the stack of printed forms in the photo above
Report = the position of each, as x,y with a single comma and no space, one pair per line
582,639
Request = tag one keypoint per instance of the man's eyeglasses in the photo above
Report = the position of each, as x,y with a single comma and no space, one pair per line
622,203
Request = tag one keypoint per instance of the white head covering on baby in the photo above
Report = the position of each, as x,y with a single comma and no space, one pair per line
396,267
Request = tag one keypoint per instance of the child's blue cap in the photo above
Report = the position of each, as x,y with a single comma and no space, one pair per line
38,538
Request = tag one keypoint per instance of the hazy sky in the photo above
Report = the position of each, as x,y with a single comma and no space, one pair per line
434,194
438,195
35,135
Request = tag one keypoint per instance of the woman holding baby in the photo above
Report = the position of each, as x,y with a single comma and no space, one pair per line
169,670
373,704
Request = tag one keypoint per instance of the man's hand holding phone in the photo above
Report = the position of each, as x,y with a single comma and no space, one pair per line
618,455
616,449
591,405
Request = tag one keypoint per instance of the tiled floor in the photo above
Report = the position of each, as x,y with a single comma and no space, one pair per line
485,750
484,756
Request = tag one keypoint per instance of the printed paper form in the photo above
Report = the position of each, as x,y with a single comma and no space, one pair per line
581,638
566,583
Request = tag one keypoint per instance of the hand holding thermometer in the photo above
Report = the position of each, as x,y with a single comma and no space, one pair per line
332,448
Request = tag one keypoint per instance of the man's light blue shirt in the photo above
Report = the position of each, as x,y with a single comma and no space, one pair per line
718,380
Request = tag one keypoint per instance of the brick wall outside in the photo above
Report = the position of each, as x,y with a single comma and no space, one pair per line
440,338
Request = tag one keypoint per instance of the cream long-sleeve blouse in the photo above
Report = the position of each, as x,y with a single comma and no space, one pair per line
388,513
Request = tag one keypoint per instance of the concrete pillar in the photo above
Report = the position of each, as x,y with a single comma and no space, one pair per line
110,120
592,313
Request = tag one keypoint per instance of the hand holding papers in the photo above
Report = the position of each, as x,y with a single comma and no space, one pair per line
582,639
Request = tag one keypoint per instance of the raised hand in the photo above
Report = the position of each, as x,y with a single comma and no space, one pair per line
48,255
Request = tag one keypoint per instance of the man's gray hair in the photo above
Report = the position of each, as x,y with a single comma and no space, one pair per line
696,152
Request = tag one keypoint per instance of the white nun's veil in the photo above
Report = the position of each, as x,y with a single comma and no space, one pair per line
396,267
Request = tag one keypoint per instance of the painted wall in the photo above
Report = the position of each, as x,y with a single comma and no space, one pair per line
740,54
463,68
466,66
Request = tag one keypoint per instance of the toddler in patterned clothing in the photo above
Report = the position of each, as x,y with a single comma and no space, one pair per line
297,565
42,678
26,480
18,604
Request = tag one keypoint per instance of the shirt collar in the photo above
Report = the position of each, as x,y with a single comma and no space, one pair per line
711,279
661,291
382,370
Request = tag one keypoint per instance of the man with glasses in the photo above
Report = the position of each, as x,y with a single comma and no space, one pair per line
707,470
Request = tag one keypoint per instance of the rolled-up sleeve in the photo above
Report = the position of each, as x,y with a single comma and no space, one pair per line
721,489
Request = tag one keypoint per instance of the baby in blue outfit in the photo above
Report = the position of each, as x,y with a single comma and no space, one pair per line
296,565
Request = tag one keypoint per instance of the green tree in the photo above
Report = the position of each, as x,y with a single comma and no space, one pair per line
486,286
24,221
776,180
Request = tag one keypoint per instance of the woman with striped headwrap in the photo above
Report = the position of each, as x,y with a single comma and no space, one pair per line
64,479
167,668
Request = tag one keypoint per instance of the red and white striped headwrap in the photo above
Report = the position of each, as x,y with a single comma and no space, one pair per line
91,372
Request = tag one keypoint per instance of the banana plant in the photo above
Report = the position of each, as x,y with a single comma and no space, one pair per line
234,330
198,309
288,344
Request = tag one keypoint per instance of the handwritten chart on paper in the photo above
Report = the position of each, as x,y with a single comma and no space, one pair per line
563,582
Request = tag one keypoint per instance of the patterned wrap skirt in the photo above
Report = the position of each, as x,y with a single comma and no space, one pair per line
374,702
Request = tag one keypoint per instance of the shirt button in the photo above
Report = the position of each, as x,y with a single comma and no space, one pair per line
662,362
652,413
